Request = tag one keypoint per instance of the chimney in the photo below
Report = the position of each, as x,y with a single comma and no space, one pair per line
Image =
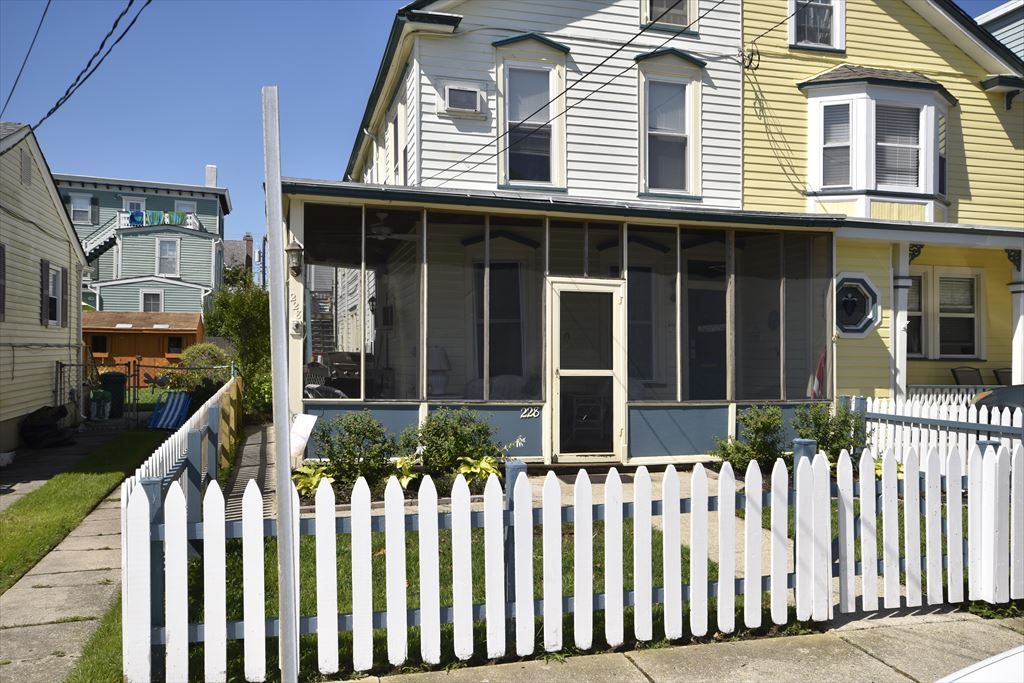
211,175
247,238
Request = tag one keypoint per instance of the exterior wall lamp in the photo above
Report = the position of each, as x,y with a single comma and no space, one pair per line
294,252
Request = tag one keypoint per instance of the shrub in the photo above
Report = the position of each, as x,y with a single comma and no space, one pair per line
448,435
356,445
200,356
762,439
242,315
307,478
833,430
258,394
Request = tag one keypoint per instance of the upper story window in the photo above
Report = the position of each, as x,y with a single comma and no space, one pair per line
133,203
941,153
185,205
666,136
835,150
167,257
81,208
529,133
897,146
152,301
54,296
817,24
674,12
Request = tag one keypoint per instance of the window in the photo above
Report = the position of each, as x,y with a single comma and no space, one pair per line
942,313
185,205
99,343
174,345
167,257
669,12
835,151
133,203
897,153
666,136
81,208
817,23
461,99
957,316
529,133
54,294
915,317
152,301
941,154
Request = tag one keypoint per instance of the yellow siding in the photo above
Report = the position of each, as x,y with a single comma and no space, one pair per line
863,365
846,208
995,300
986,155
898,211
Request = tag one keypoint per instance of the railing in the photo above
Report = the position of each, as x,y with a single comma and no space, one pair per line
950,394
188,220
916,424
989,554
97,239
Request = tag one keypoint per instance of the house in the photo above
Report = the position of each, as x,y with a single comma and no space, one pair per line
238,253
601,224
41,265
1006,23
152,246
152,339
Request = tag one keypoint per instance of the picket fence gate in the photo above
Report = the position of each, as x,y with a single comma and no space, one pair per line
989,552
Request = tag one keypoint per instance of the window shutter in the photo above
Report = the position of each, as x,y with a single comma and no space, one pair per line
44,292
67,204
94,207
896,152
64,288
3,282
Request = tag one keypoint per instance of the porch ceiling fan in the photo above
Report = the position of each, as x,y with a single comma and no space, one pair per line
382,231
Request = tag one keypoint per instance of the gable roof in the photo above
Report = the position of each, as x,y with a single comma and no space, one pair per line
532,35
852,73
671,51
11,135
999,11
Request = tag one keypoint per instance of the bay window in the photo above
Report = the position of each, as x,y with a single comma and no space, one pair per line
897,145
835,150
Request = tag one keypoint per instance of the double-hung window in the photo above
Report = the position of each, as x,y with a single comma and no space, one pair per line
675,12
666,136
957,316
81,208
940,153
152,301
897,146
817,24
134,203
54,293
915,317
835,150
167,257
185,205
528,129
942,313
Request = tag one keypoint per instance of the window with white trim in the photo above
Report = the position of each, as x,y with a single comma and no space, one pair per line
54,293
527,127
940,153
674,12
185,205
957,317
133,203
897,145
942,313
152,301
666,138
167,257
81,208
915,317
835,146
817,23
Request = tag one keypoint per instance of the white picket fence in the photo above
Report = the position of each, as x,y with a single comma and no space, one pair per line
949,394
989,553
923,424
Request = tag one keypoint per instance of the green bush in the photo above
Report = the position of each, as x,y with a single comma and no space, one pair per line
762,440
200,356
257,394
356,445
447,435
833,430
307,478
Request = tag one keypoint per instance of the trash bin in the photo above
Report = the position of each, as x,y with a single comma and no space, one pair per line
115,383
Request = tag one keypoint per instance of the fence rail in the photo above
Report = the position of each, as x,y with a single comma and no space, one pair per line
949,394
988,553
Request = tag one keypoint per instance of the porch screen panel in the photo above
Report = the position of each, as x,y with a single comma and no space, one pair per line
567,248
808,267
651,350
604,250
455,263
702,314
758,271
393,254
516,303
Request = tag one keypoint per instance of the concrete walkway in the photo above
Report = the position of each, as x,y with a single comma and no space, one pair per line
889,648
255,461
47,617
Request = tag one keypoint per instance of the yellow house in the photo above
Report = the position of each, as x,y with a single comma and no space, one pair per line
908,119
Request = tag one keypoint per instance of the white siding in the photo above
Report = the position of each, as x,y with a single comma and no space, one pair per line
602,138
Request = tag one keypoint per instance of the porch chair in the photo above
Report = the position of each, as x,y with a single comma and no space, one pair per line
966,375
1004,376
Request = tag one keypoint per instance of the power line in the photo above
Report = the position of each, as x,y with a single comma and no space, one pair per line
567,89
25,61
566,110
81,79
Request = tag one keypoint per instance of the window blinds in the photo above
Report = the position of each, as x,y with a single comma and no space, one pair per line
956,295
896,145
836,148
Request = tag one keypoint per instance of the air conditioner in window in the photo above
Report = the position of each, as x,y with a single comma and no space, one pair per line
461,100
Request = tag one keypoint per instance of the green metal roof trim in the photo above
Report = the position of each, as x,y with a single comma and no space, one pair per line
540,38
1002,81
671,51
550,203
222,192
410,12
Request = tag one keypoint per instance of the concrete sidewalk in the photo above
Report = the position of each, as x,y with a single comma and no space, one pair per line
920,647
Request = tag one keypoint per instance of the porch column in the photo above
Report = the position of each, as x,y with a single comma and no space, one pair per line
296,308
1017,316
898,333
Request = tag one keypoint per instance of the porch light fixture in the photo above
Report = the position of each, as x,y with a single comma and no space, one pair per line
294,252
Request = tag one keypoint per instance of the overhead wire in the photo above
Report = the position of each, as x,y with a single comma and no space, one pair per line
25,60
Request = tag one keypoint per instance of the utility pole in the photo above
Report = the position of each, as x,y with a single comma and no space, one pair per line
286,541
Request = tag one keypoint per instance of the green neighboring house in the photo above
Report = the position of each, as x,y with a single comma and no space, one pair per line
151,246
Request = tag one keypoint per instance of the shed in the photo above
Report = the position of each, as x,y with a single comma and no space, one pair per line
158,339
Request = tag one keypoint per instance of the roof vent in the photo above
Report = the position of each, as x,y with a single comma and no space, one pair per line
161,326
123,326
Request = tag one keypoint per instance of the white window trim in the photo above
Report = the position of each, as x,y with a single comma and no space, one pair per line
126,199
931,315
838,27
673,72
59,295
692,14
822,146
88,207
537,57
142,299
156,267
924,163
193,203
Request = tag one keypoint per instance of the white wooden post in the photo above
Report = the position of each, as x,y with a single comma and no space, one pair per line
1017,320
583,561
494,567
901,286
751,547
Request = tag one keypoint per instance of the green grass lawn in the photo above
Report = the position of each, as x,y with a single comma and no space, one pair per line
147,396
33,525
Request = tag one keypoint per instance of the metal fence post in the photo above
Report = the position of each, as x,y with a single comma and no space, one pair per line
153,488
513,470
803,448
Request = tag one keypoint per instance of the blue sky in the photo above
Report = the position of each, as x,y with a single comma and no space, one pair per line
183,88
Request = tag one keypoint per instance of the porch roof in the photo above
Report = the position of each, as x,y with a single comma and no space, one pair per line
550,203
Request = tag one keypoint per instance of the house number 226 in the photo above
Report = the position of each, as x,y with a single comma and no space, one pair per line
528,413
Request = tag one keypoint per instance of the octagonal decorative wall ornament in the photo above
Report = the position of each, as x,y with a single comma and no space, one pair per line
858,305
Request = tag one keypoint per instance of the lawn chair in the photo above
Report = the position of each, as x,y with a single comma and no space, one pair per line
170,411
1004,376
966,375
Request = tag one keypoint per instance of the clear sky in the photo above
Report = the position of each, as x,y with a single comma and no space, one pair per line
183,88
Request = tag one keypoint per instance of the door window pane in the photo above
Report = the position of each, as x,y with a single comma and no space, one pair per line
702,312
652,314
808,270
585,415
757,315
586,330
